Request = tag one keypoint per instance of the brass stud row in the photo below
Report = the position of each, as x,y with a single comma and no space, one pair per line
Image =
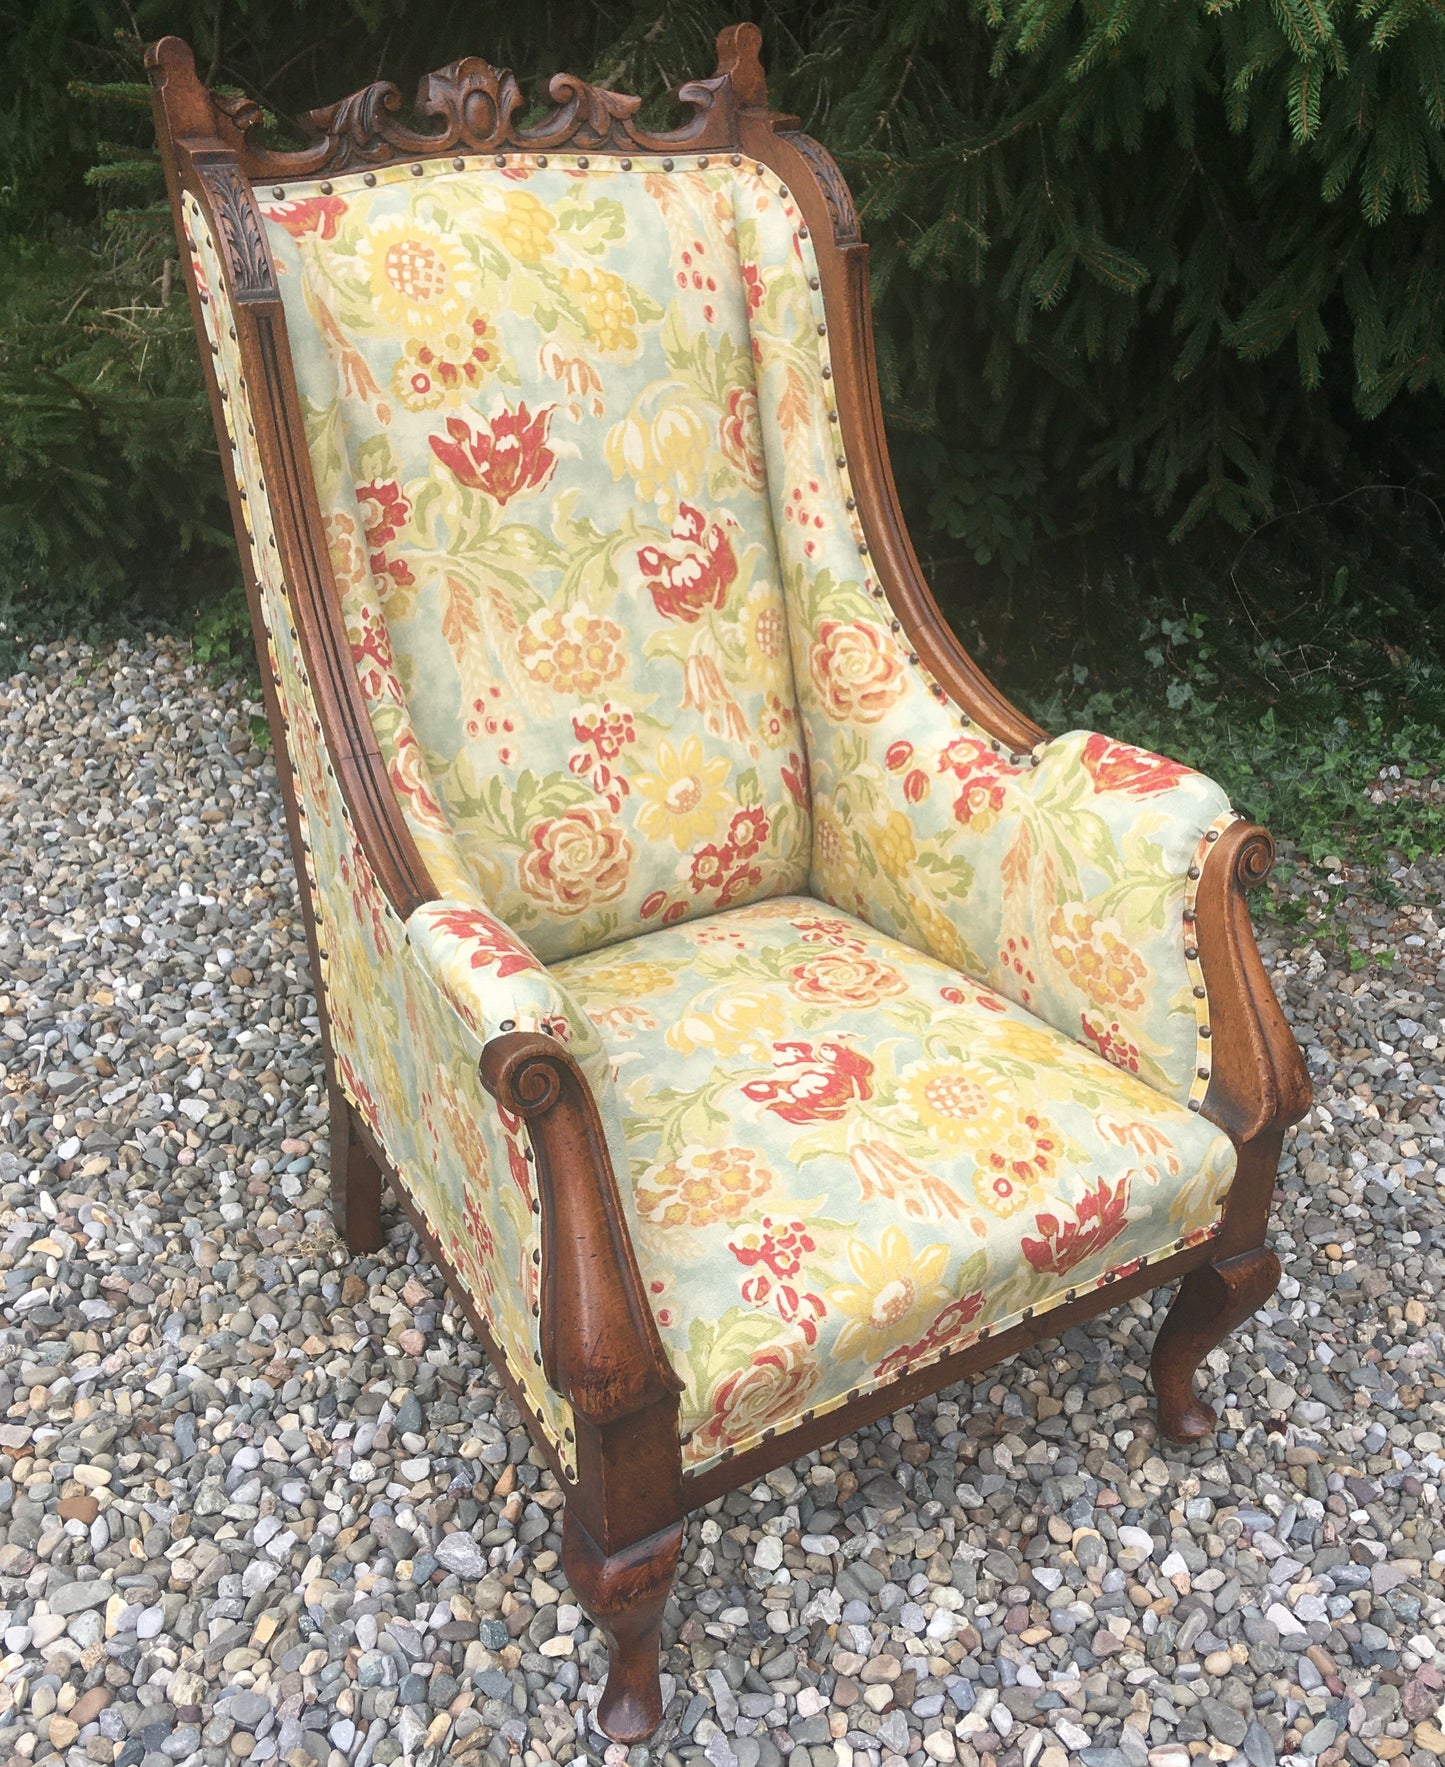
501,160
984,1332
1190,916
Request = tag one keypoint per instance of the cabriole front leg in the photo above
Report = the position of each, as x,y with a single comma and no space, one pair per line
622,1529
624,1592
1211,1302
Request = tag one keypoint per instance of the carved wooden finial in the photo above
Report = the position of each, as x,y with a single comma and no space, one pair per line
171,69
739,57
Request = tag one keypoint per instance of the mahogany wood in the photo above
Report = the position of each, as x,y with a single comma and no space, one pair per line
600,1345
604,1354
1211,1302
625,1593
356,1181
1258,1083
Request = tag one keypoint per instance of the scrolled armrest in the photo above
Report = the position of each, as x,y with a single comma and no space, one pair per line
1258,1084
600,1344
496,983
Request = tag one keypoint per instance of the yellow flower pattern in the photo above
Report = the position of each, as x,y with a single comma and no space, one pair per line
420,280
897,1296
684,800
609,315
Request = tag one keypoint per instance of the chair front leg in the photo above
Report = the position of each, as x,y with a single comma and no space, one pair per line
622,1527
625,1592
1211,1302
1258,1086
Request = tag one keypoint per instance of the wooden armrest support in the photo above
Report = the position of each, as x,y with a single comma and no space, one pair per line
1258,1084
600,1345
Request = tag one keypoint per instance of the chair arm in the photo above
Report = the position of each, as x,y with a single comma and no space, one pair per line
496,983
600,1345
1066,878
543,1062
1259,1084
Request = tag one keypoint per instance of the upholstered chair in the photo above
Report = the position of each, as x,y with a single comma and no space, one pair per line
761,1020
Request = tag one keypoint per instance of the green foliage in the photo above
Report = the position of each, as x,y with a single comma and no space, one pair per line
1313,688
221,638
1195,246
101,468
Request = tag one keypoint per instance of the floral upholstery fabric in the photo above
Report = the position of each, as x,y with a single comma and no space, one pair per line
848,1159
533,420
1059,877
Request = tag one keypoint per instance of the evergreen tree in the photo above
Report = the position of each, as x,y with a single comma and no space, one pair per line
1135,261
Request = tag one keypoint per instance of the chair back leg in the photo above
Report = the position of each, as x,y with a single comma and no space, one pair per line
355,1180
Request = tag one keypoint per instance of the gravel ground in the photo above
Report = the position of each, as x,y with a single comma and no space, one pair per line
259,1501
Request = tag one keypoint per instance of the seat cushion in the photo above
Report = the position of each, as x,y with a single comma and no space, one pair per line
848,1158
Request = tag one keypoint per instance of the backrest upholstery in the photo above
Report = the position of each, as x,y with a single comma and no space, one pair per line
531,400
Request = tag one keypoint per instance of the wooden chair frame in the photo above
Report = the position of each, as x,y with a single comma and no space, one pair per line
626,1504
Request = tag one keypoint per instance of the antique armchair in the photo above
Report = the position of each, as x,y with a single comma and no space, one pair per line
763,1022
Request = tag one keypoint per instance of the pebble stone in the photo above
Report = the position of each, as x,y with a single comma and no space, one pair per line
261,1501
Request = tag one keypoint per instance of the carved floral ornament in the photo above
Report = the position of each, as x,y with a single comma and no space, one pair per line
474,107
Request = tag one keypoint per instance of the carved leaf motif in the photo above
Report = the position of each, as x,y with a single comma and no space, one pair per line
472,98
833,185
242,237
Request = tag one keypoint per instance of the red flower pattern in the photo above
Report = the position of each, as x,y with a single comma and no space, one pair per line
696,574
774,1252
384,513
491,943
1111,1043
727,869
753,283
1119,766
748,830
795,777
604,733
308,214
504,456
983,775
1099,1217
949,1326
813,1084
794,1307
780,1245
